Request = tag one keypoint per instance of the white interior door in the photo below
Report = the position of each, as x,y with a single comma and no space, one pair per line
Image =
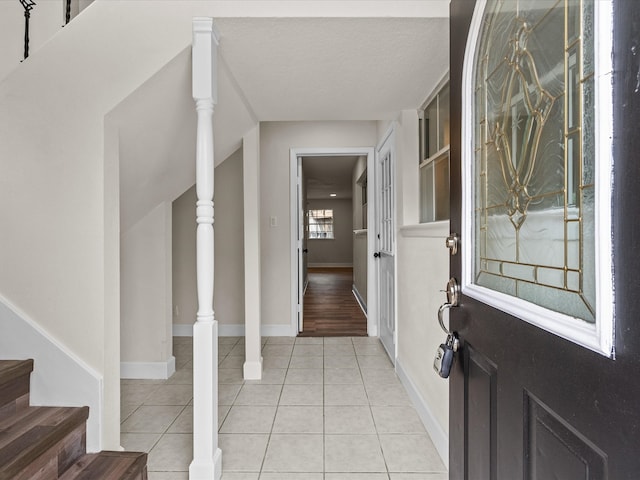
300,227
385,241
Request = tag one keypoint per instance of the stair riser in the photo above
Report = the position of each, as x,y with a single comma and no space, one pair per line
14,396
109,465
52,463
15,406
49,443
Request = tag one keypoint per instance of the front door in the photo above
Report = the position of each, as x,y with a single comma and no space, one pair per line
543,386
385,237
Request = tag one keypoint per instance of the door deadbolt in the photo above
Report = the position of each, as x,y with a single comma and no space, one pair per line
452,243
453,292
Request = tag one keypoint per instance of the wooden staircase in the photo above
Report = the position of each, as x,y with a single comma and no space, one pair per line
46,443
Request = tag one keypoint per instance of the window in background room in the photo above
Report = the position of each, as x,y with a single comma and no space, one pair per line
320,224
434,157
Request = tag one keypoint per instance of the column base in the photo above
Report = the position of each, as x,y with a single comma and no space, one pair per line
253,370
207,470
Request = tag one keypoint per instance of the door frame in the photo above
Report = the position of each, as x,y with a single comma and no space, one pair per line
294,154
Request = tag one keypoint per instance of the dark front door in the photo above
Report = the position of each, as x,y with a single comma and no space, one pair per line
526,403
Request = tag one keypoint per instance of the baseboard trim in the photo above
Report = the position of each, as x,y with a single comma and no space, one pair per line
231,330
277,331
439,437
60,377
359,299
181,330
148,370
330,265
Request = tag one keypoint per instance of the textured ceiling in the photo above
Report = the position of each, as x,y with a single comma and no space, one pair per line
334,68
325,175
275,69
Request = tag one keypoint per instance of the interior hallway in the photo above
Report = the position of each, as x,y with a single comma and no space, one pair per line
330,308
327,409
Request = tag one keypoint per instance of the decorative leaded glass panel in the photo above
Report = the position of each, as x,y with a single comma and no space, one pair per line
534,150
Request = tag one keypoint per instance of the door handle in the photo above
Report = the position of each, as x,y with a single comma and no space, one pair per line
305,250
443,307
376,255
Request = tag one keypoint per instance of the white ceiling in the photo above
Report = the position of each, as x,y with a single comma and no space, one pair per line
334,68
326,175
274,69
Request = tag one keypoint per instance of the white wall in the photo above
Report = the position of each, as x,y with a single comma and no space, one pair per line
252,368
422,271
408,199
338,251
423,265
59,185
276,139
228,299
59,378
185,298
145,299
359,222
360,256
47,17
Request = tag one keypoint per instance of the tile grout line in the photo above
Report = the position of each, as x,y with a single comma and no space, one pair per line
361,365
324,417
264,456
375,426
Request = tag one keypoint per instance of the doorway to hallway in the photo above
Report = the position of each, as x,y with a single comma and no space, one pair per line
330,308
304,204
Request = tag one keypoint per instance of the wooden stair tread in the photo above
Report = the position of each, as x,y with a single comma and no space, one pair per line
34,432
15,382
45,443
11,369
109,465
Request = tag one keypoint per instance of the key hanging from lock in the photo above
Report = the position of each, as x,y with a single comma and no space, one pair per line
445,353
444,357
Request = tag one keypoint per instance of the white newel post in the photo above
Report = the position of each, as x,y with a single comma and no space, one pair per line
207,457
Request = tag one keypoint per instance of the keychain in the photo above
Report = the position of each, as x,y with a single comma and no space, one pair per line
444,355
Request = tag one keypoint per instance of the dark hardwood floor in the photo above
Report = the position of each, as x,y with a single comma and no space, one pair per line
330,309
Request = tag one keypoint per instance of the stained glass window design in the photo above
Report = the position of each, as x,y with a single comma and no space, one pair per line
534,150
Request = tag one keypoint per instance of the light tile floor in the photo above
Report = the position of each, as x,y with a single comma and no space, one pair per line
326,409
